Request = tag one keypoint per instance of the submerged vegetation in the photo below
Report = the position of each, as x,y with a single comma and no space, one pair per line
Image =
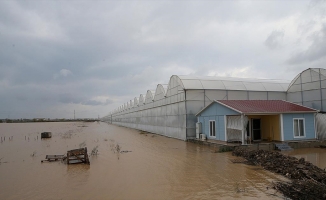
94,151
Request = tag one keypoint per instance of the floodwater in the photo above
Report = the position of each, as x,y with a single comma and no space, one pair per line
316,156
152,166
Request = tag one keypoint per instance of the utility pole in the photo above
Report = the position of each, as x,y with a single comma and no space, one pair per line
74,115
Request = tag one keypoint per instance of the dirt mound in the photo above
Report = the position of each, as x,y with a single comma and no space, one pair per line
309,181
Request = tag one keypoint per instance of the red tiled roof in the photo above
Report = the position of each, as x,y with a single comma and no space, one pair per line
264,106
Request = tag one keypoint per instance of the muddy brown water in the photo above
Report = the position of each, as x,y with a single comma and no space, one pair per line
156,168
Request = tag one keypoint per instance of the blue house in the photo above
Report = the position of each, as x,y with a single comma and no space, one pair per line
256,120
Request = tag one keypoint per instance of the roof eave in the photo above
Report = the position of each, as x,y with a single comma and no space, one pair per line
277,113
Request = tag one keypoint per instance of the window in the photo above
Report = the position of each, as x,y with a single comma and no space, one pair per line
298,128
212,128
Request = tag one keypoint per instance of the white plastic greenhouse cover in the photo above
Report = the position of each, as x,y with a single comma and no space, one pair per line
230,83
309,89
160,91
131,104
136,100
167,111
149,96
141,100
308,76
321,126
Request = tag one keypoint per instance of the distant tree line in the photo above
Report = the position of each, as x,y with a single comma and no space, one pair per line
46,120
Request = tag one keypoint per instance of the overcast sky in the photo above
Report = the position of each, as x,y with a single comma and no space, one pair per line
93,56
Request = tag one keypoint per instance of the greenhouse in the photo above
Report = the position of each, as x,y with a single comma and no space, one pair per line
170,110
309,89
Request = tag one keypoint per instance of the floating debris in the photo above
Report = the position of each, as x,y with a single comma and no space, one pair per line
76,156
125,151
51,158
94,151
46,135
282,147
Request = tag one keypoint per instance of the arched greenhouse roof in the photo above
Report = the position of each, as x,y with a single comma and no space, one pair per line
149,96
141,100
136,101
160,91
131,104
308,79
230,83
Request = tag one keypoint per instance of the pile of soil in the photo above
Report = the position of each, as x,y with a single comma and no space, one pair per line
308,181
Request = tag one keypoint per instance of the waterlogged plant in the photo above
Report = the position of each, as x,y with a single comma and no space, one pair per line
94,151
33,154
82,145
118,148
67,135
115,148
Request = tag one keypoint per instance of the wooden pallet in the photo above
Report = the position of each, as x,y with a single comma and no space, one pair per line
51,158
76,156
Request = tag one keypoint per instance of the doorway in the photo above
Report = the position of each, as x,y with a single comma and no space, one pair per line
256,129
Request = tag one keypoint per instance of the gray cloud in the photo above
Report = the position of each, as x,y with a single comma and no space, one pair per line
96,103
92,56
315,52
274,40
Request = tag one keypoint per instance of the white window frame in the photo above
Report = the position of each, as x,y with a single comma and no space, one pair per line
210,133
304,128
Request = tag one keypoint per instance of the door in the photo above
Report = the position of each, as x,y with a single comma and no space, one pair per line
256,132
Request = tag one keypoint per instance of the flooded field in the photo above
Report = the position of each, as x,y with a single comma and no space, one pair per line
149,166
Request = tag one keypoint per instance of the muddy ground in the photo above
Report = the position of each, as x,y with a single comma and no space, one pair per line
306,181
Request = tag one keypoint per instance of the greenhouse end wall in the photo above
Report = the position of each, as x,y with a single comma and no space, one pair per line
309,89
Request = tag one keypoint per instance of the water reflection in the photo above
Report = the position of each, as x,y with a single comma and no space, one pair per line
77,175
316,156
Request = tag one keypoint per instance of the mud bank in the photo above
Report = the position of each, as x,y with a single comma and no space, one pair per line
306,180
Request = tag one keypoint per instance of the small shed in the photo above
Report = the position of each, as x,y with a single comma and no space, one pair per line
256,120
